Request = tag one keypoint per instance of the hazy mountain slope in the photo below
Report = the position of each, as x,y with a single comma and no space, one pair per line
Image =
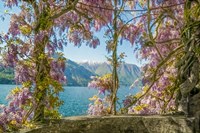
76,74
6,75
127,72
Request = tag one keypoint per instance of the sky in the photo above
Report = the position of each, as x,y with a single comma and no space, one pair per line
85,53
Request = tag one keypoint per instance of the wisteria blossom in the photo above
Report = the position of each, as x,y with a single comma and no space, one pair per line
101,106
13,115
41,29
161,47
38,32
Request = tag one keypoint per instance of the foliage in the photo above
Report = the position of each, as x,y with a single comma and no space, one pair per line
36,33
159,29
104,86
100,106
161,47
118,30
14,115
188,66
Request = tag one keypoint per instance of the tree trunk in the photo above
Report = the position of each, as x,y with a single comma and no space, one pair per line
42,74
190,66
115,63
115,84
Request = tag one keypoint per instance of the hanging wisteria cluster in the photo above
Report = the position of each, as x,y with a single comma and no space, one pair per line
161,47
101,106
13,115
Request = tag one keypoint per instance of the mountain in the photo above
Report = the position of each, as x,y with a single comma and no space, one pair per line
78,74
128,73
6,75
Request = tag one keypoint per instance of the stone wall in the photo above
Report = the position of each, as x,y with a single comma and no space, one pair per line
119,124
194,104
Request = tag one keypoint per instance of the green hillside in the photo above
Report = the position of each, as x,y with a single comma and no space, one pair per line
6,75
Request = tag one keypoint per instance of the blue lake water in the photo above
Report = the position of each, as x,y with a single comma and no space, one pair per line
76,99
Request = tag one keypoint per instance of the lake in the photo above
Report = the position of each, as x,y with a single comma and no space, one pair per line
76,99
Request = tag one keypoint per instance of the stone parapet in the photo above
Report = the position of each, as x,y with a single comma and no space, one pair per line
118,124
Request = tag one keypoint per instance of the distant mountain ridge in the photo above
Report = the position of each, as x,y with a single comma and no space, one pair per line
128,73
76,74
79,74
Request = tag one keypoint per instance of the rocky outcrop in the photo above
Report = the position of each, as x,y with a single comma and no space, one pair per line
119,124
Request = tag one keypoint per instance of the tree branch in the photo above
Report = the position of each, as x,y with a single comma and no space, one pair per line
65,10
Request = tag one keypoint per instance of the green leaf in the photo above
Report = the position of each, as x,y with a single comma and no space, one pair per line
6,11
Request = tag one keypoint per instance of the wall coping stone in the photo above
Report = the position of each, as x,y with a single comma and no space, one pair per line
118,124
